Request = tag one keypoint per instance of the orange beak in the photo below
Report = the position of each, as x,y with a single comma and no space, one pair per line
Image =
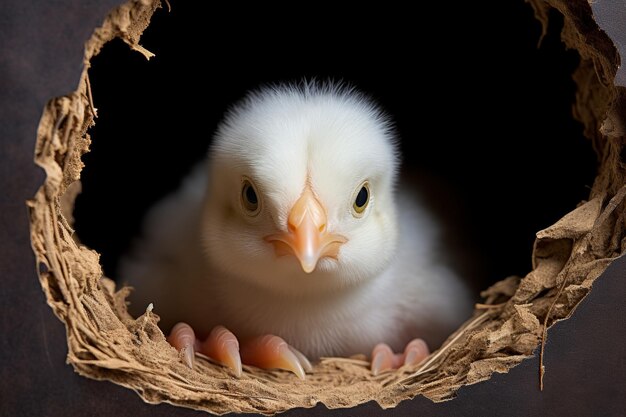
307,237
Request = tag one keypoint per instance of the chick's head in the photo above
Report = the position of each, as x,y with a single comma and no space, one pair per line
301,190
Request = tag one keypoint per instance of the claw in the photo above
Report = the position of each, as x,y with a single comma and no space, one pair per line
271,351
304,361
416,350
183,339
222,346
232,359
382,358
189,355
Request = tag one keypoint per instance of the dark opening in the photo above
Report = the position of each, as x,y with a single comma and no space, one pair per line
485,121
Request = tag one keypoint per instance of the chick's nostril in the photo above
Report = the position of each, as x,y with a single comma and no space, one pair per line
322,228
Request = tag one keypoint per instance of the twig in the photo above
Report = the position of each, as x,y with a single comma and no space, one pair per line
480,306
544,334
146,316
89,96
360,362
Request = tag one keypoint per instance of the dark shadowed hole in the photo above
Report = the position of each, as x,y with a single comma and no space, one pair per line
485,121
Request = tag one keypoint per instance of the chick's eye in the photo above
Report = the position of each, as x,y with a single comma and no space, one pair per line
249,198
361,199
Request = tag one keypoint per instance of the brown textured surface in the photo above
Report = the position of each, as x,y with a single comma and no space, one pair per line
550,253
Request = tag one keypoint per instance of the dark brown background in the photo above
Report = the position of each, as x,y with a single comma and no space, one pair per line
40,57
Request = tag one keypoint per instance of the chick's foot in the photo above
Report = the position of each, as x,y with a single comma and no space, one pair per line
266,351
383,358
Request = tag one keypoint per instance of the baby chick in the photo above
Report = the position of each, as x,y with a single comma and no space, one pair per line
291,241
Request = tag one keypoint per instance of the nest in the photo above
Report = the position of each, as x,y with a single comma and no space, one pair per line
106,343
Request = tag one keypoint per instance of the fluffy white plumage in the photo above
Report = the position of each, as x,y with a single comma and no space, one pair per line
206,261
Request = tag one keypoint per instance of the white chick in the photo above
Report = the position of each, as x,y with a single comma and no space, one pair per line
292,236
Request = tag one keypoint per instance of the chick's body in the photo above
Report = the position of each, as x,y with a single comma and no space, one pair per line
210,256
